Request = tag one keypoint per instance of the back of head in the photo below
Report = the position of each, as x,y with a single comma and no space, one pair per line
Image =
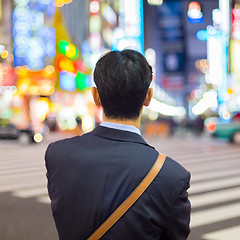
122,79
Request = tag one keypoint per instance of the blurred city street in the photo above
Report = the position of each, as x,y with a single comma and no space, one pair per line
214,192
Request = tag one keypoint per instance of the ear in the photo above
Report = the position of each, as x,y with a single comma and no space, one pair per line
148,97
96,97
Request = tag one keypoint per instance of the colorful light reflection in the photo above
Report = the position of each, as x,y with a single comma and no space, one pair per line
33,41
67,81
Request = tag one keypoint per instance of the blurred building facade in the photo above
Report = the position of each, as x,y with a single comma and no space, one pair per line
7,75
173,37
197,53
76,17
6,23
193,47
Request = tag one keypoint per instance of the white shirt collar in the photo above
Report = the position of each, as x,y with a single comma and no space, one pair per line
120,126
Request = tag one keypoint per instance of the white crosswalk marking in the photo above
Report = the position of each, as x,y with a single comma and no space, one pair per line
231,234
210,167
214,156
220,174
23,172
215,197
31,192
215,181
44,199
20,166
215,215
18,170
16,186
214,185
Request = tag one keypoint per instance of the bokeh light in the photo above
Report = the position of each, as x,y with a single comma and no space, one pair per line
4,54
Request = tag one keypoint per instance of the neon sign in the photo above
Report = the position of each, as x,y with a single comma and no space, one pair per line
33,41
194,13
94,7
67,81
64,64
68,49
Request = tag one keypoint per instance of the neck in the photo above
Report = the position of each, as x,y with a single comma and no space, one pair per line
132,122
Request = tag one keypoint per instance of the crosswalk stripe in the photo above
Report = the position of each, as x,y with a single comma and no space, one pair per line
215,197
211,175
13,162
21,166
44,199
203,155
232,233
39,177
10,156
25,153
209,159
212,166
213,215
22,170
22,175
186,153
31,192
16,186
214,185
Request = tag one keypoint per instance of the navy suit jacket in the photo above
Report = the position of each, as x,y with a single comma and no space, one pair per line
89,176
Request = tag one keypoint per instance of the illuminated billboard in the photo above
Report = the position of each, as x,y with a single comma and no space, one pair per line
33,40
130,32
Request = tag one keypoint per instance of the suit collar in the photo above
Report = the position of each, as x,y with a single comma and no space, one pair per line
119,135
119,126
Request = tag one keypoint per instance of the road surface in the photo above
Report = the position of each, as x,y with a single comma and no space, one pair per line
214,193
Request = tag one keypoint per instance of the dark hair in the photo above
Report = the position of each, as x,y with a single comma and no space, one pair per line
122,79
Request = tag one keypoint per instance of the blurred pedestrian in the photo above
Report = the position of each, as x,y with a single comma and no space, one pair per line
79,125
172,126
199,125
89,176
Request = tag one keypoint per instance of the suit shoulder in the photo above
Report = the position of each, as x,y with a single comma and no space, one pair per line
64,143
60,144
69,140
176,169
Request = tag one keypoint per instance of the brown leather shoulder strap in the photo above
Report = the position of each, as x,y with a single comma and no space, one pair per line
118,213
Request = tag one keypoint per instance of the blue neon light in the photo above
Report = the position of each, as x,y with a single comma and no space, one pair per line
67,81
196,20
202,35
32,40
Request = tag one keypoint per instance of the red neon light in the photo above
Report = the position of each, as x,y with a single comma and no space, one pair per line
65,64
211,126
194,5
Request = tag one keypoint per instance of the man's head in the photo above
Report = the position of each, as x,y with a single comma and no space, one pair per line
122,79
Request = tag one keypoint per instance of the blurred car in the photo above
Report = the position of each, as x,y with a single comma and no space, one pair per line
227,129
25,136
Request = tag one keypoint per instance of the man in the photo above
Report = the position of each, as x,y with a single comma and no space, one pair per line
89,176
